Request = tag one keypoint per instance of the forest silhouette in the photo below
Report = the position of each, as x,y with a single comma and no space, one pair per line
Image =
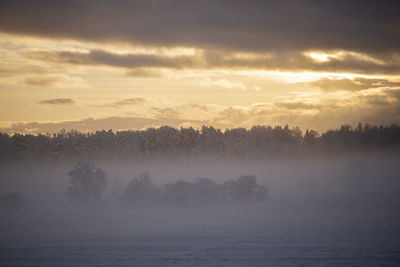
262,141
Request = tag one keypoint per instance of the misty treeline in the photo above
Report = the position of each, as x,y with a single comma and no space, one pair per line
87,184
238,142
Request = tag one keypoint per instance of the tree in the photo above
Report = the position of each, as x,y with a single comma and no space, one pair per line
205,190
87,183
178,192
245,188
140,190
310,137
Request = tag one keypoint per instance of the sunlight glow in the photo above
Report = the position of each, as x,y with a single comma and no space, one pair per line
322,57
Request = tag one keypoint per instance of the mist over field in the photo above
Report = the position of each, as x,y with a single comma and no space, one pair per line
312,201
357,183
199,133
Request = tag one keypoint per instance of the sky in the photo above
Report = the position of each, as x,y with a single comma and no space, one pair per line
92,65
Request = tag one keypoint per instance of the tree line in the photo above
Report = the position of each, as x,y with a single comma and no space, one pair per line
87,183
239,142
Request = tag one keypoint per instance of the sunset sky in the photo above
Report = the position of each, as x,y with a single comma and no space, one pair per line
92,65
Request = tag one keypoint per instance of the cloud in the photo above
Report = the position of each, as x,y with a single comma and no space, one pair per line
394,93
357,84
231,116
99,57
385,98
375,106
265,35
57,101
299,60
17,69
133,101
146,65
234,25
144,73
203,108
165,112
43,80
298,105
91,124
129,101
223,83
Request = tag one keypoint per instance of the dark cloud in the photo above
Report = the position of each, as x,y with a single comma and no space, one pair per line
236,25
283,61
98,57
57,101
352,85
299,61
